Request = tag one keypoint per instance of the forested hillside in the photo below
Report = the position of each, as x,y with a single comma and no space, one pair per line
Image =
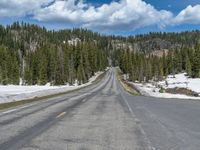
158,40
178,52
35,55
31,55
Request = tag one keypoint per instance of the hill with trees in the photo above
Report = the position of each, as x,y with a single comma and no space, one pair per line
30,54
36,55
157,55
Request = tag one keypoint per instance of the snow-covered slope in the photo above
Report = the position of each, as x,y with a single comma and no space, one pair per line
12,93
180,81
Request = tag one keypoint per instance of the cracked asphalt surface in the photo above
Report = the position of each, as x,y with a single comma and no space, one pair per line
102,117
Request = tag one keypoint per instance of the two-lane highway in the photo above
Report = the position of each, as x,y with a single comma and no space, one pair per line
95,117
102,117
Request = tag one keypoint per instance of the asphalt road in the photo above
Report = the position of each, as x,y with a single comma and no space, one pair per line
102,117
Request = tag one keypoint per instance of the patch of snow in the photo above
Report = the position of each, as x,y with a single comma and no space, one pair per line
20,81
74,41
48,84
12,93
179,80
182,81
151,90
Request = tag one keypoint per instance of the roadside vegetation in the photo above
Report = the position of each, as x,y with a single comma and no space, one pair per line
127,86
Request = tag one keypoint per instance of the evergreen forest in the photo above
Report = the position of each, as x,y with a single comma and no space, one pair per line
30,54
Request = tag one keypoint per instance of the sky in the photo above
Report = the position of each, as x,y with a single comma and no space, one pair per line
120,17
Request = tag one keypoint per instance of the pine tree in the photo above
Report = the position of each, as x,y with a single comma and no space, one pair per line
188,66
196,62
42,79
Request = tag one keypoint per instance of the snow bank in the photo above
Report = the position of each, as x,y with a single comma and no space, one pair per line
12,93
151,90
180,81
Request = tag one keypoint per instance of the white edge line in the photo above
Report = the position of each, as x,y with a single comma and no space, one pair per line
141,129
9,111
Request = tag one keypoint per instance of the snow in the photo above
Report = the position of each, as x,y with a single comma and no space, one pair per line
179,80
150,90
12,93
182,81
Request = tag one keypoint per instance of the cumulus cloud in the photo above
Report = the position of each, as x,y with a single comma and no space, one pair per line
19,8
123,15
190,15
126,14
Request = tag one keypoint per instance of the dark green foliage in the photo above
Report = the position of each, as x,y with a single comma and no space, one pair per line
9,73
144,67
196,62
183,55
38,56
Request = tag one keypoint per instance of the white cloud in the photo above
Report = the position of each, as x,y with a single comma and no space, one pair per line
19,8
190,15
126,14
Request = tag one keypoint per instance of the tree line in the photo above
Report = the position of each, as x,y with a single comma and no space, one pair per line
144,67
30,54
34,55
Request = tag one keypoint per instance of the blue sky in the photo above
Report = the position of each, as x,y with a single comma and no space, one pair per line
124,17
173,5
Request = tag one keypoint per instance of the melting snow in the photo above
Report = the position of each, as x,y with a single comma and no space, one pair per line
12,93
179,80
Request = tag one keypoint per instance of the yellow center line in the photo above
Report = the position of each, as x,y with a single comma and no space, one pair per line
61,114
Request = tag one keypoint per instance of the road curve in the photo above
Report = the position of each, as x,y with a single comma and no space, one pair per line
102,117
